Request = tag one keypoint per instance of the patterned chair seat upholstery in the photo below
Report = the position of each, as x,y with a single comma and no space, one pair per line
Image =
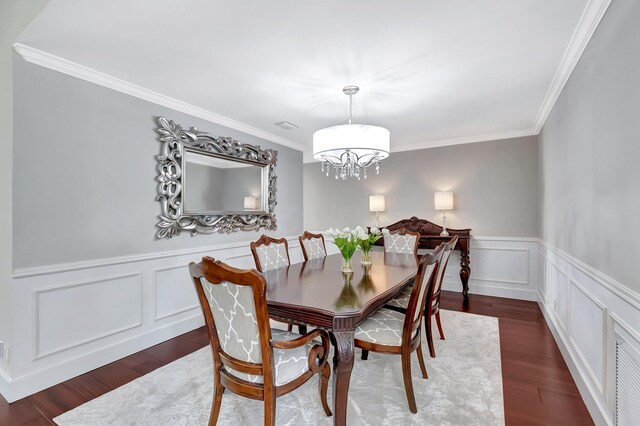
402,299
384,327
289,364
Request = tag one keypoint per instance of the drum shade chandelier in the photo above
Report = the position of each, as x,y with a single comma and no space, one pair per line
351,148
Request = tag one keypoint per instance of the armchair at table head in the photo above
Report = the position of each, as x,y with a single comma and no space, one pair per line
251,359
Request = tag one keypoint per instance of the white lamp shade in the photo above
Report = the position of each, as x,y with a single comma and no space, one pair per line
249,203
361,139
443,200
376,203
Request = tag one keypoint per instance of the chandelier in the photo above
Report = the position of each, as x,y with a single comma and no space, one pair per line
351,148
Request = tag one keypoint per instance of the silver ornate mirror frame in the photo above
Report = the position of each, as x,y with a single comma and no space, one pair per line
175,141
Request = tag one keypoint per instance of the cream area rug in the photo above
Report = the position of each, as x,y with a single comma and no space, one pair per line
464,388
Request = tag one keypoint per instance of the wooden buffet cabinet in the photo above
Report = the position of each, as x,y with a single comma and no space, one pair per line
430,238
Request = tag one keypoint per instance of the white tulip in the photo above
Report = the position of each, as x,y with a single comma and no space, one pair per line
375,230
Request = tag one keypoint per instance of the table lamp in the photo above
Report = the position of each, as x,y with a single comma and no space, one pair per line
443,201
376,204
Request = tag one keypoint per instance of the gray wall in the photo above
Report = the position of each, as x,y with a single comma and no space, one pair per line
84,170
589,151
495,187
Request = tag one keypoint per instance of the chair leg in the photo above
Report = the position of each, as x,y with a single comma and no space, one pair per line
325,374
215,405
427,331
421,362
439,325
365,355
290,328
408,384
269,406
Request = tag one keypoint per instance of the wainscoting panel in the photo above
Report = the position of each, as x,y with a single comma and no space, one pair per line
57,310
586,312
173,292
73,318
503,267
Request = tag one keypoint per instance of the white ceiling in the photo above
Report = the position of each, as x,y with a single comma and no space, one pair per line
430,71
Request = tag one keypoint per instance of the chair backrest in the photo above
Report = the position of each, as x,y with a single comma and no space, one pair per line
427,271
270,253
235,310
401,242
448,248
312,245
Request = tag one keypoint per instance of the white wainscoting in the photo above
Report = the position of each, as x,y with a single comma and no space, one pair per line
500,266
585,311
72,318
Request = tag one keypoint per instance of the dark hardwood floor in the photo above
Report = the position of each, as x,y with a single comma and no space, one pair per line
538,389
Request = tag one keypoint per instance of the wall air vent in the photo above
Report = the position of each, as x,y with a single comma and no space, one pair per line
627,383
286,125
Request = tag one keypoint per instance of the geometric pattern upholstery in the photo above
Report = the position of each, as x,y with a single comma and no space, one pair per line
234,315
396,243
272,256
383,327
314,247
402,299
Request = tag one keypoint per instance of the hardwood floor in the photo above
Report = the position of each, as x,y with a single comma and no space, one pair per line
538,389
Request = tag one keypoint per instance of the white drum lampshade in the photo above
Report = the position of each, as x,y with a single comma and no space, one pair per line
443,200
376,203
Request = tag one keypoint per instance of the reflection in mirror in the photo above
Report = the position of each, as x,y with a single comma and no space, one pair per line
221,185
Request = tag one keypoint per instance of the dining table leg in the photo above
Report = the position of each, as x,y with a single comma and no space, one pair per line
343,356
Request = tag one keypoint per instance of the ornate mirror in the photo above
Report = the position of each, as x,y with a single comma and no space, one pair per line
213,184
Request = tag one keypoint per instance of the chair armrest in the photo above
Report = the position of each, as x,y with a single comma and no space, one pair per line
318,353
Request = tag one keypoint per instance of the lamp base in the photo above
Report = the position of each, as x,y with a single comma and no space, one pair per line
444,233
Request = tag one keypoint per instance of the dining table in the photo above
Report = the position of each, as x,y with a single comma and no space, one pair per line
317,294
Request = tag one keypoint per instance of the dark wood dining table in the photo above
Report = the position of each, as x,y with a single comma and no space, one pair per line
316,293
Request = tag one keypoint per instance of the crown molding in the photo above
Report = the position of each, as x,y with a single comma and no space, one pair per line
56,63
591,17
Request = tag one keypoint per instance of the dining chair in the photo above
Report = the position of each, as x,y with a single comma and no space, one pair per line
401,301
392,332
249,358
270,253
312,245
401,242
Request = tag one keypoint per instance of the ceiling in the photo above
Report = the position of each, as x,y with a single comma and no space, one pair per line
432,72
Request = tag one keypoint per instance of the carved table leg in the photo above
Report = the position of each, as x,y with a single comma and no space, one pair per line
342,339
465,271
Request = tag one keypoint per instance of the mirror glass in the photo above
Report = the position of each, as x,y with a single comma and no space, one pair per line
214,185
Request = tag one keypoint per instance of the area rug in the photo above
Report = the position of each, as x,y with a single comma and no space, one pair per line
464,388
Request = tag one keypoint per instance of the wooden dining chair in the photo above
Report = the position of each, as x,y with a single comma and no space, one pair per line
401,242
249,358
432,307
270,253
312,245
392,332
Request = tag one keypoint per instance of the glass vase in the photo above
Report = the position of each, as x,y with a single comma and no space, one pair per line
366,258
346,264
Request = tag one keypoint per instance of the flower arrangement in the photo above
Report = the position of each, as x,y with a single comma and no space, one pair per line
348,240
